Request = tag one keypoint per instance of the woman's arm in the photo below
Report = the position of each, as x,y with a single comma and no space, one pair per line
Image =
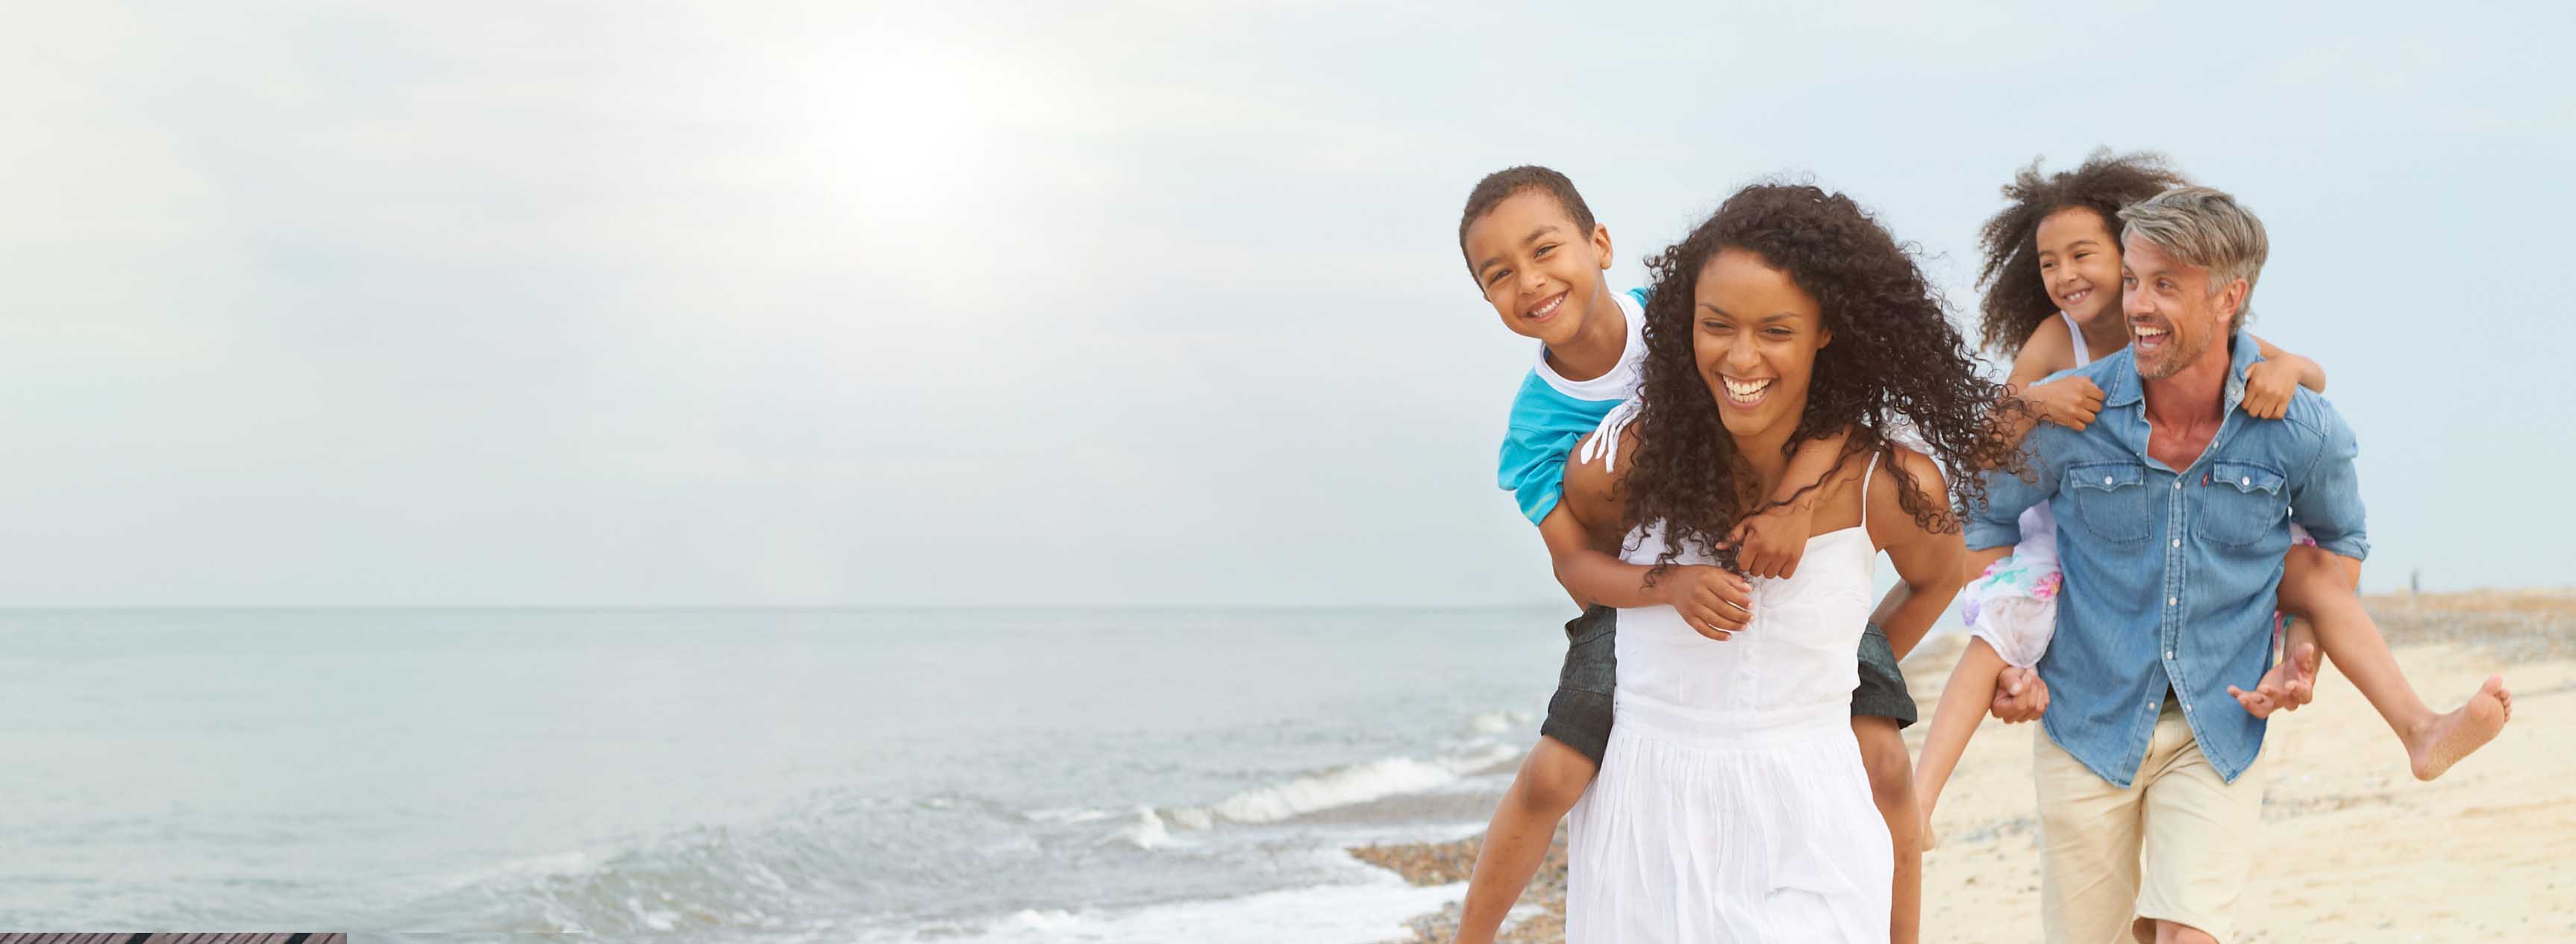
1928,564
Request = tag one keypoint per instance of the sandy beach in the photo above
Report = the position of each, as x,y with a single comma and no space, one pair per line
2353,847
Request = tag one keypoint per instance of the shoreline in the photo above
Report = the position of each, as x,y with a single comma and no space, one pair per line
2470,854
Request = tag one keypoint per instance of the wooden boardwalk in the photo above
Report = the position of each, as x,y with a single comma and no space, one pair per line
168,937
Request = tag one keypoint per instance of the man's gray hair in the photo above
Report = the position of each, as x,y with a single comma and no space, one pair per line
2206,228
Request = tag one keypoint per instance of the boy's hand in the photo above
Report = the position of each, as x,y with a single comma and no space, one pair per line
2268,385
1712,601
1769,544
2071,402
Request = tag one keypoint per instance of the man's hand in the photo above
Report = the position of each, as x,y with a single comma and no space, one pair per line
2291,683
2019,695
1715,603
1769,544
2268,385
2071,402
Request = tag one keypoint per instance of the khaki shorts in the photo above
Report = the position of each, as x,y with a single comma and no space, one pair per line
2176,846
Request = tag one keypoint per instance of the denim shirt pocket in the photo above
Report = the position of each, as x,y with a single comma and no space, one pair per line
2111,501
2240,504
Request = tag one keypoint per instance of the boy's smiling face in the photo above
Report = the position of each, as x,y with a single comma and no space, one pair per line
1537,267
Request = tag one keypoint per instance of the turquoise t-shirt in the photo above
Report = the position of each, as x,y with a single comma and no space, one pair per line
1551,414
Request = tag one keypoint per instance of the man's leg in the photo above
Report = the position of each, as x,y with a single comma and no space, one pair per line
2198,840
2088,848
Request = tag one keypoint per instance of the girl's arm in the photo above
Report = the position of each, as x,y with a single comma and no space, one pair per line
2269,383
2071,402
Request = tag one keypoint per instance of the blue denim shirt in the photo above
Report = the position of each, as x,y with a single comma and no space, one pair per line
2170,577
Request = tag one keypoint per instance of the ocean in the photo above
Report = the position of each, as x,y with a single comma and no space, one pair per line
867,776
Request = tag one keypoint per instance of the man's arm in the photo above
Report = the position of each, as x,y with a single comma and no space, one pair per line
1993,529
2325,498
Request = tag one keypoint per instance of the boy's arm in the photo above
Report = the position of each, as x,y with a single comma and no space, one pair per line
2270,381
1769,542
1586,523
1588,574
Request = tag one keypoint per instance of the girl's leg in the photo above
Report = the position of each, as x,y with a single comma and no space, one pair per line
2315,587
1524,825
1963,704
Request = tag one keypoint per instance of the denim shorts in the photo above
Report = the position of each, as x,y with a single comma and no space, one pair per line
1578,715
1882,691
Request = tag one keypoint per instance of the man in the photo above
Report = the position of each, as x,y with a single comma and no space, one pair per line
2174,509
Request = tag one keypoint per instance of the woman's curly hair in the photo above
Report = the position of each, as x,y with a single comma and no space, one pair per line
1894,356
2016,302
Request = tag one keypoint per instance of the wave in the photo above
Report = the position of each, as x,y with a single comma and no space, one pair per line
1340,787
1371,910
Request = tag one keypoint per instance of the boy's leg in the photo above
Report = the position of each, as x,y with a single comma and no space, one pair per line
1881,708
2314,586
1524,825
1558,770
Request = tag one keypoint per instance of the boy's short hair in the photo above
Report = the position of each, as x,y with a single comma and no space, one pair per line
1501,185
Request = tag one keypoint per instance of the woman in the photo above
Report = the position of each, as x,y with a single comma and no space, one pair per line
1731,803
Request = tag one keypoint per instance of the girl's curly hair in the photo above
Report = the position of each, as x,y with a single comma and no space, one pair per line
1894,356
2016,302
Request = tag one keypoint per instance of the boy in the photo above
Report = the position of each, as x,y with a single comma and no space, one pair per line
1537,255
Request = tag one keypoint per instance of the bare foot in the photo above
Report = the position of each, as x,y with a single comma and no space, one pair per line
2445,739
1930,838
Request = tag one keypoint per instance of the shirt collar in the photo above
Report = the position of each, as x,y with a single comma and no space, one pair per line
2126,388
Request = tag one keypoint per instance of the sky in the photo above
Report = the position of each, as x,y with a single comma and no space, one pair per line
755,304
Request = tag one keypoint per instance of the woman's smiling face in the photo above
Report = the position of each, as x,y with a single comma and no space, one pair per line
1756,341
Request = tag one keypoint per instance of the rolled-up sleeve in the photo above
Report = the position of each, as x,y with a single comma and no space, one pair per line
1997,522
2327,499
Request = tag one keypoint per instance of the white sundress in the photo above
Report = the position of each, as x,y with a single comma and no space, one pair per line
1731,803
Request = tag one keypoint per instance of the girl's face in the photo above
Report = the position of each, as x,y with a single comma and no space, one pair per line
1756,341
2079,263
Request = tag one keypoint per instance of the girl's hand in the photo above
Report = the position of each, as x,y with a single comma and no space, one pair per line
2268,385
2071,402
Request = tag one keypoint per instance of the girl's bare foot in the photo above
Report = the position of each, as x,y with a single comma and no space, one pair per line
2444,739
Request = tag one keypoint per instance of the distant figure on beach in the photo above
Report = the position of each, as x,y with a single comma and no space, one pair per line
1537,254
1732,803
2052,264
2175,504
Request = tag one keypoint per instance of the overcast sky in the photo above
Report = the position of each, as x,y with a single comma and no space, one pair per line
817,304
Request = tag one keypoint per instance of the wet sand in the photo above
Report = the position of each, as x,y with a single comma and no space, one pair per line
2353,847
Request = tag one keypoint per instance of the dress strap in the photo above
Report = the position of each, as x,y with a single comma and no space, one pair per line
1864,491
